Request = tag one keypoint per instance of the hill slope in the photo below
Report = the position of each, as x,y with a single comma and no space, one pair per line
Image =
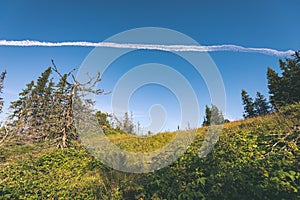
256,158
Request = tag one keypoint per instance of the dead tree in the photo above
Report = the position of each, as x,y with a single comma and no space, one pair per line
45,110
66,101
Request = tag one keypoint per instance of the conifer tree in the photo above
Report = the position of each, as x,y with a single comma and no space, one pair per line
42,104
44,109
216,116
21,109
285,89
126,123
213,116
206,121
31,111
249,110
261,105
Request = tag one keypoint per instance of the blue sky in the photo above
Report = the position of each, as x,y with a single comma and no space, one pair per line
269,24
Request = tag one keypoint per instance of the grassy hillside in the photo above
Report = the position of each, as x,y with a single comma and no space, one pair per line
257,158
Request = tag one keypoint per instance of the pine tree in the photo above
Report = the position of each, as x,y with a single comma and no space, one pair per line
206,121
261,105
127,124
275,88
216,116
21,109
60,116
41,105
45,110
213,116
31,111
249,110
285,89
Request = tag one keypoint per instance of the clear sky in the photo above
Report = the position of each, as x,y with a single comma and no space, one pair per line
269,24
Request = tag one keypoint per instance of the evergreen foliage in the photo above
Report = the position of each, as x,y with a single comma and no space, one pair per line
284,89
125,124
261,105
253,159
248,105
253,108
213,116
44,109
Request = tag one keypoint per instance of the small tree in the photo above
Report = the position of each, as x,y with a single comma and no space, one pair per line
126,123
249,110
103,121
206,121
261,105
213,116
216,116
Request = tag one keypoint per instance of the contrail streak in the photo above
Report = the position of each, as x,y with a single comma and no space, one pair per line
174,48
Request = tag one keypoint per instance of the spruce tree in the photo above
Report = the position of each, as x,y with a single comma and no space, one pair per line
249,110
44,109
285,89
206,121
31,111
41,105
213,116
275,88
21,109
217,117
261,105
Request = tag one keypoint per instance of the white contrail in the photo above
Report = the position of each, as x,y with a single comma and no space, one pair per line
174,48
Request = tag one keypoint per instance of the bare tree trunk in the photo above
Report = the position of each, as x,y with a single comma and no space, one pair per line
4,137
64,138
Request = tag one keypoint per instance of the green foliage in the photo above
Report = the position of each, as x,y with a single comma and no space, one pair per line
248,105
213,116
206,121
292,112
125,124
260,106
142,144
31,110
257,158
45,109
58,174
284,89
253,159
105,125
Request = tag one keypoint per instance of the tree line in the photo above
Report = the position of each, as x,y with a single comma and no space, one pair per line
284,89
44,108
